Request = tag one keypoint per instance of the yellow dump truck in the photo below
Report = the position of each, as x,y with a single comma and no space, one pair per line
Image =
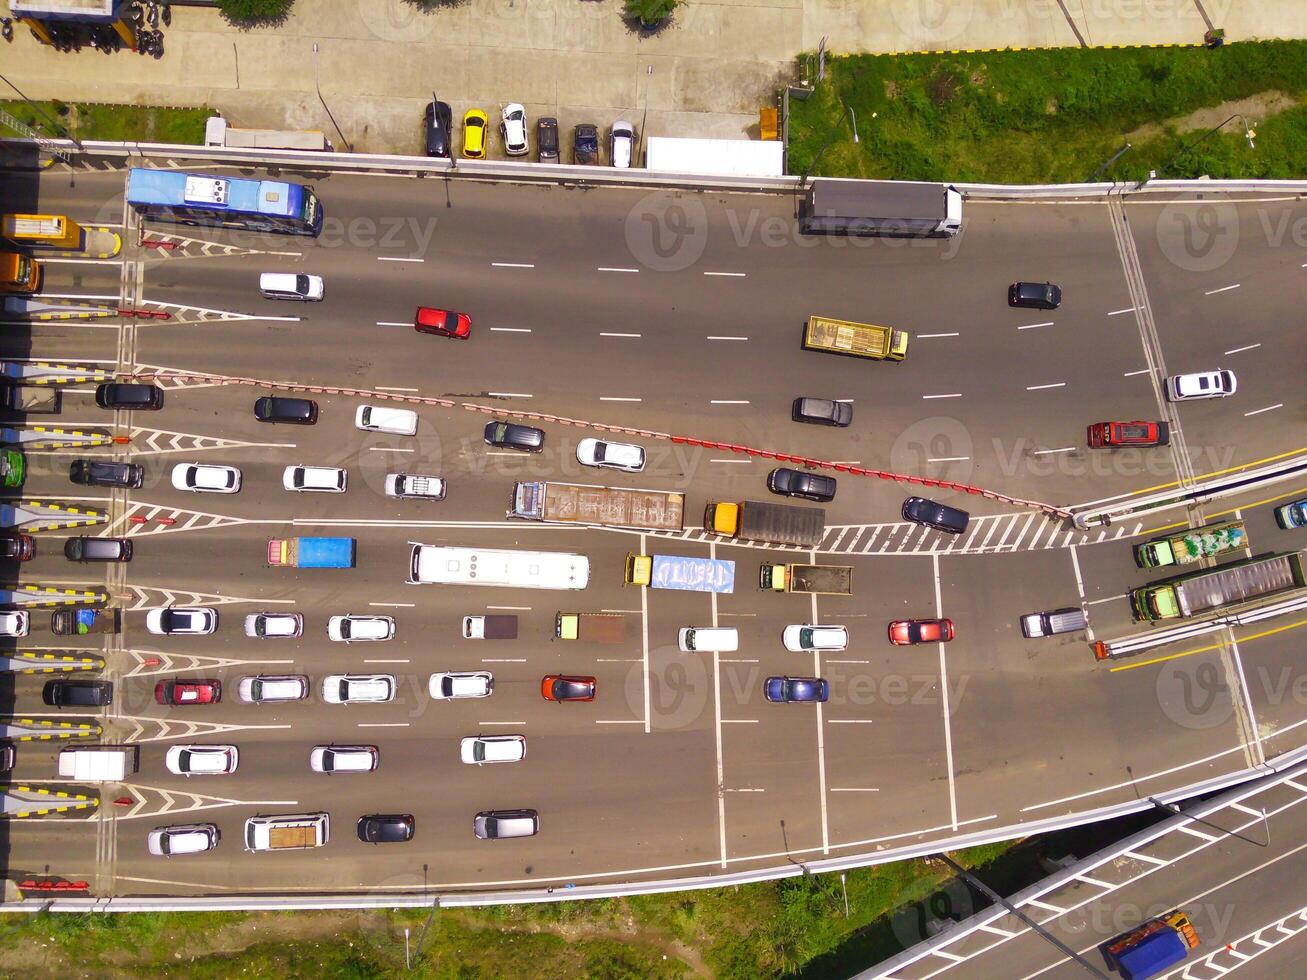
855,339
19,273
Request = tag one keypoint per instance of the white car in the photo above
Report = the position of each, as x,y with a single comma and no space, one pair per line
348,688
621,144
191,838
182,620
1204,384
461,684
290,285
799,639
15,623
273,625
414,486
344,758
314,479
206,478
378,418
483,749
612,455
270,688
512,125
352,629
202,760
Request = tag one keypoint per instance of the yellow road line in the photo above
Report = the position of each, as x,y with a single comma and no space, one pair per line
1207,649
1228,469
1222,513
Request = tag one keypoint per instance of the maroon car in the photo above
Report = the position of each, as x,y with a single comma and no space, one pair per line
17,547
188,692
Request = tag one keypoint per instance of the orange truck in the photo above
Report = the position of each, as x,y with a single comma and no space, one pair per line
19,273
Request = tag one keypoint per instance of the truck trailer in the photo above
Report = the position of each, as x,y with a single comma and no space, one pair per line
810,579
1214,588
577,503
490,627
892,208
753,520
311,552
1191,545
1155,946
681,573
99,763
867,340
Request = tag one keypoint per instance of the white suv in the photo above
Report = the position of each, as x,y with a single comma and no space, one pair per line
314,479
273,625
1204,384
202,760
353,629
377,418
450,685
483,749
800,639
271,688
349,688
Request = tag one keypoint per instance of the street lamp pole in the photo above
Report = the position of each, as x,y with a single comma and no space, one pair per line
648,80
854,117
803,181
349,146
1249,133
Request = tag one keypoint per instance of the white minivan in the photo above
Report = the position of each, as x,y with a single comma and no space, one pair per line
377,418
192,838
723,639
290,285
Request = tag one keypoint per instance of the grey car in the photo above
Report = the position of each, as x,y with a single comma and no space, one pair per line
547,139
500,824
822,411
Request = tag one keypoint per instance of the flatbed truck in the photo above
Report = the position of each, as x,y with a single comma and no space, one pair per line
83,620
1214,588
1191,545
311,552
822,333
595,627
681,573
578,503
753,520
31,400
1155,946
808,579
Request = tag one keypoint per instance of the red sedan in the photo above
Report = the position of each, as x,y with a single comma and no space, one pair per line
188,692
906,632
446,323
566,687
1108,434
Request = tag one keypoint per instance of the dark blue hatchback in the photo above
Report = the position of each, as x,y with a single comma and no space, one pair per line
786,689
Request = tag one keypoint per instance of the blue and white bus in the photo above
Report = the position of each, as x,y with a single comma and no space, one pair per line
228,202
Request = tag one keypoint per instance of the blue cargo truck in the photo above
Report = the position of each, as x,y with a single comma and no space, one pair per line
1153,947
311,552
679,572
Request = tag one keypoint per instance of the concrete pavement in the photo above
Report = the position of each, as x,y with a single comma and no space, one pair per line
712,67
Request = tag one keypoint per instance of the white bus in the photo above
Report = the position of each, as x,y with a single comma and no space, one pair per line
433,565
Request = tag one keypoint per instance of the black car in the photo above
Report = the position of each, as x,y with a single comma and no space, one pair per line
939,516
439,124
17,547
822,411
98,549
509,435
95,473
1034,295
585,143
146,398
294,411
547,139
77,694
796,483
386,828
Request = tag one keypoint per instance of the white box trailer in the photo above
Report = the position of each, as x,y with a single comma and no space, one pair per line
99,763
724,158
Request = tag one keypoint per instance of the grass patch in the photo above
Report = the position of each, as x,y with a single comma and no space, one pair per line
112,123
1056,115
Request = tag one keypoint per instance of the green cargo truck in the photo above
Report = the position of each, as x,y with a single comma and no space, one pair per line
1215,588
13,468
1191,545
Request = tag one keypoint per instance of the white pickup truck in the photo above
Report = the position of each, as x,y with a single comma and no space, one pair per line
413,485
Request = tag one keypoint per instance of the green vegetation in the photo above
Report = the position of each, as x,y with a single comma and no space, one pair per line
766,930
1058,115
97,121
255,13
651,13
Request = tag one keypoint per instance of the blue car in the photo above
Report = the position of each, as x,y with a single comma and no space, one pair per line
785,689
1292,515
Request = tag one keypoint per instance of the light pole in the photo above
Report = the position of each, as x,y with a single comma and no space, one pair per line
648,80
803,181
1249,133
348,145
853,117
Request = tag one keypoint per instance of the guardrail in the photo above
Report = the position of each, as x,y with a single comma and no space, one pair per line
1129,645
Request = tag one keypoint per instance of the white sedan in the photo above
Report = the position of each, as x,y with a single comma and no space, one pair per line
273,625
483,749
351,688
800,639
202,760
15,623
206,478
314,479
512,124
612,455
377,418
353,629
182,620
461,684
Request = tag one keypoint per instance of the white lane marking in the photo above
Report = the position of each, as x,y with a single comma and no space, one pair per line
854,789
728,660
1056,384
499,452
717,728
1240,350
393,605
632,611
614,398
1111,598
44,360
1032,326
501,723
948,459
599,660
513,265
727,401
956,394
733,275
1131,374
1045,452
727,338
618,721
602,334
749,790
943,685
387,661
730,461
848,661
1080,587
511,329
1268,408
739,721
520,608
504,660
383,724
76,296
392,388
927,336
388,449
846,401
48,261
388,258
607,268
1128,309
849,721
644,637
1223,289
507,394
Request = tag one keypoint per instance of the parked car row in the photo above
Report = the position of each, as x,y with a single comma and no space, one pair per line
514,128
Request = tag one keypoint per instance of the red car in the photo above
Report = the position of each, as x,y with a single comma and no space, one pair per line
1107,434
906,632
188,692
447,323
566,687
19,547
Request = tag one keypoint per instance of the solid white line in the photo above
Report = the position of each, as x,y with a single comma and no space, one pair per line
513,265
387,258
727,401
602,334
500,452
730,461
614,398
854,789
383,724
619,721
845,661
521,608
1240,350
393,605
717,730
644,640
605,268
733,275
503,660
507,394
1268,408
1213,292
1045,452
1057,384
943,686
387,661
1131,374
850,721
388,449
956,394
511,329
948,459
392,388
1032,326
728,338
501,723
927,336
1128,309
739,721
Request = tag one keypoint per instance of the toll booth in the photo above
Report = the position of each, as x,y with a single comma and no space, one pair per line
54,22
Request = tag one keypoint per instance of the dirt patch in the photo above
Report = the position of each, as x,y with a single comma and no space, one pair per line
1255,108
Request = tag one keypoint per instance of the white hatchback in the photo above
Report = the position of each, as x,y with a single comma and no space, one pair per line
450,685
272,688
314,479
182,621
800,639
202,760
344,758
15,623
351,688
206,478
483,749
273,625
292,286
1204,384
354,629
193,838
378,418
611,455
512,125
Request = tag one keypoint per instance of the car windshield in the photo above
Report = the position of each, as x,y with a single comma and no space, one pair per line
302,284
569,689
479,751
805,637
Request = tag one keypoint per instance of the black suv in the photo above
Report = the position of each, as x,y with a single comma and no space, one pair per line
386,828
822,411
146,398
439,123
295,411
97,549
77,694
796,483
1034,295
507,435
94,473
585,143
939,516
547,139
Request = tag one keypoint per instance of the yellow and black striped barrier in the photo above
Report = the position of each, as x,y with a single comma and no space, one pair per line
50,595
36,662
45,730
54,437
45,515
17,802
61,374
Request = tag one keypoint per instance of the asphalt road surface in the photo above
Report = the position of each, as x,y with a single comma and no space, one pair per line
678,313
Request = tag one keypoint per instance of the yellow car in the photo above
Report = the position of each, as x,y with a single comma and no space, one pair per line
474,134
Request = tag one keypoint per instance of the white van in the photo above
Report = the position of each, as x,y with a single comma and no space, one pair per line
287,832
377,418
265,688
723,639
344,758
290,285
415,486
192,838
